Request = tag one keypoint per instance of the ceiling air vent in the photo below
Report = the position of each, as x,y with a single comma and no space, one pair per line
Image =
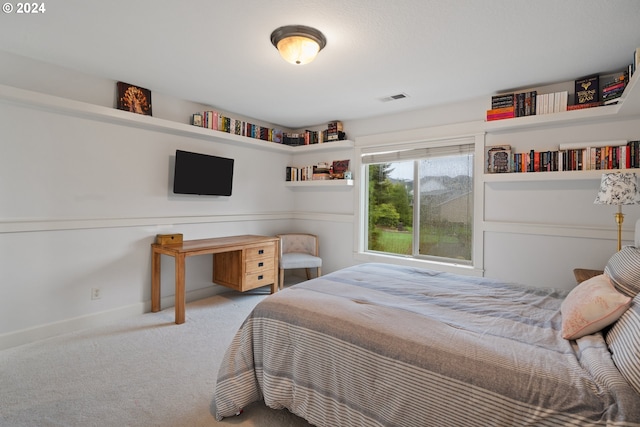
394,97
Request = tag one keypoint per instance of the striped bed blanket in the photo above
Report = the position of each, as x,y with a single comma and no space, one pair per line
385,345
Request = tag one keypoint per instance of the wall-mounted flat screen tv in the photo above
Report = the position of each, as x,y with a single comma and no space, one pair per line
202,174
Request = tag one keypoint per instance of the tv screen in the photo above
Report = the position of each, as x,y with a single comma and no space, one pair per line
202,174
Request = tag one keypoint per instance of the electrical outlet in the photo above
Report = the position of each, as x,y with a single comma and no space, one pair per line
95,293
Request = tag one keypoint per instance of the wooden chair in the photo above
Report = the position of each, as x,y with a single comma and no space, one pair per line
298,250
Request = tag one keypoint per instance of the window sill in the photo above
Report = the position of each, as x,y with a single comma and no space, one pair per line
466,270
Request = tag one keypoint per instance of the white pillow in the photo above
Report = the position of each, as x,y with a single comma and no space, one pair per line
591,306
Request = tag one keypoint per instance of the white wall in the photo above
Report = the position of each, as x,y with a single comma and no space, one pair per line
328,212
69,183
537,232
81,201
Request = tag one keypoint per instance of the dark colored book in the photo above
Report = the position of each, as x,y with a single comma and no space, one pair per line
310,137
587,90
519,104
292,139
544,161
530,103
532,155
501,101
264,133
632,152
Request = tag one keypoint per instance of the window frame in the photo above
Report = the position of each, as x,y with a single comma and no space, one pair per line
366,146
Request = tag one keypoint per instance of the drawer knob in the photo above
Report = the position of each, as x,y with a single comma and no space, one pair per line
260,277
261,264
260,251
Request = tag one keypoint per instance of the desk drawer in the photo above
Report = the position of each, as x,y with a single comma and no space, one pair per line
256,280
259,265
263,251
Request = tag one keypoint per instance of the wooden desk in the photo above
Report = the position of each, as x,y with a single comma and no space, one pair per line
239,262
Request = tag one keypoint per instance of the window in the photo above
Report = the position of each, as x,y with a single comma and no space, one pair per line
419,202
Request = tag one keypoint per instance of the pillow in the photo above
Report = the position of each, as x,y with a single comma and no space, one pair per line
623,269
591,306
623,340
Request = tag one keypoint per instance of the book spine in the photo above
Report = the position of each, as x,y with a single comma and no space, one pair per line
581,106
500,116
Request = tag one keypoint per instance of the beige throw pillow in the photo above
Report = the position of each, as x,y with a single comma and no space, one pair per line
591,306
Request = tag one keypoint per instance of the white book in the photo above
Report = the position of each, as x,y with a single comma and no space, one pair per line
564,99
551,103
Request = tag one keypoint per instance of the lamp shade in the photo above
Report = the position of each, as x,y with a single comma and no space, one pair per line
618,188
298,44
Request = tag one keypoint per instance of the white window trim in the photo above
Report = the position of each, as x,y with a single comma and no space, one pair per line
411,140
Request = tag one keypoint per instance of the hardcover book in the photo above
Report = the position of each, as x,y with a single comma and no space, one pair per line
501,101
587,90
498,159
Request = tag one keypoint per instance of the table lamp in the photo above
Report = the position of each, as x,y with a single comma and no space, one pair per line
618,188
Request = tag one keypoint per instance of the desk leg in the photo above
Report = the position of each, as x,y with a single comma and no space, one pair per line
155,281
180,291
276,268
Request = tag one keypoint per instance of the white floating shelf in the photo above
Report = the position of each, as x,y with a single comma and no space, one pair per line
101,113
321,183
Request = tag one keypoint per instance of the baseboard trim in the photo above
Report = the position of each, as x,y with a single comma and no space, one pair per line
49,330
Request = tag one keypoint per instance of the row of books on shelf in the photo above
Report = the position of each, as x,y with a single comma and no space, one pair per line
306,173
613,89
215,120
590,91
338,169
526,104
568,157
602,90
312,137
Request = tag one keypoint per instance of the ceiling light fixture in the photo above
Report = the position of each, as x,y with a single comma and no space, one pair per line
298,44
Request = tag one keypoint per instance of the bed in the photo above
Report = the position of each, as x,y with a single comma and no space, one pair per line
386,345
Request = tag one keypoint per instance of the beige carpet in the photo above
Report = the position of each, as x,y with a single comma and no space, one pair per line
144,371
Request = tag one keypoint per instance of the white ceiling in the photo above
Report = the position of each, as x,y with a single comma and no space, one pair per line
436,51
